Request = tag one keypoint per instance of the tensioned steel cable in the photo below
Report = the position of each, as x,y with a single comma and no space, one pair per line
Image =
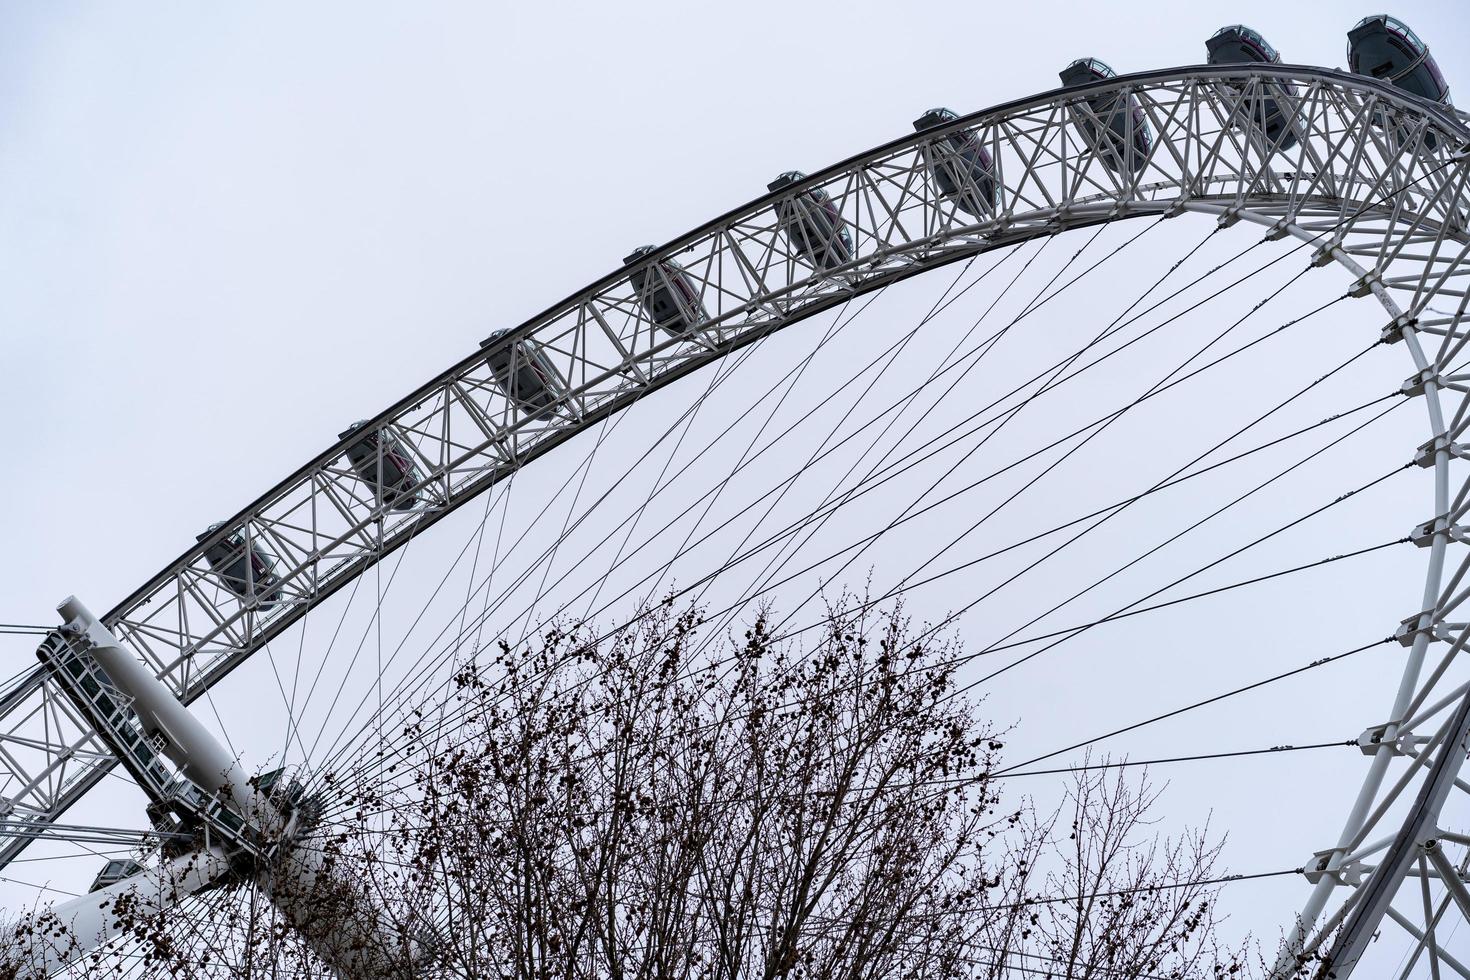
950,782
506,593
725,370
1118,613
1176,266
859,490
776,560
790,428
1332,444
1097,622
1291,467
1175,263
1169,477
1056,277
1009,252
710,499
1325,232
875,362
721,375
568,526
892,357
1051,467
766,584
1069,632
1091,428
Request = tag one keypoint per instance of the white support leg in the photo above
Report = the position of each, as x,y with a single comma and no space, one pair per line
58,935
342,926
185,741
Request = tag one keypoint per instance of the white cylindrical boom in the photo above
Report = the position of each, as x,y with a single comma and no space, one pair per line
55,936
186,742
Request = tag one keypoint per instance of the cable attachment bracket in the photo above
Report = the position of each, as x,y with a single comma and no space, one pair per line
1326,254
1394,332
1424,534
1365,285
1424,457
1414,385
1409,629
1400,743
1351,872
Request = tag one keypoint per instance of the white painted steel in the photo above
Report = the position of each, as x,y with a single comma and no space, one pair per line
339,923
1376,182
56,936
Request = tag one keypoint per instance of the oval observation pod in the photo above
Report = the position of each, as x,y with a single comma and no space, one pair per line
1383,47
246,571
666,293
1119,135
960,165
1239,45
524,373
812,224
382,462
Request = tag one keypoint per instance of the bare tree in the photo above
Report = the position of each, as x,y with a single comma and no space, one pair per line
636,806
657,804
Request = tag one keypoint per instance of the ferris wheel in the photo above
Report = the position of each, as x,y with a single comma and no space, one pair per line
1362,174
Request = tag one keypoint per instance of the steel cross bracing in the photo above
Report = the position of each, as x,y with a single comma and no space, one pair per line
1373,179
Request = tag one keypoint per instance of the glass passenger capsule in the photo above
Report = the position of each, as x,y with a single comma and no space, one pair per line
1123,127
1383,47
524,373
812,224
666,293
1239,45
382,462
245,571
960,165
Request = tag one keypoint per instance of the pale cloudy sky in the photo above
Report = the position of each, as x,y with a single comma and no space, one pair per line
227,231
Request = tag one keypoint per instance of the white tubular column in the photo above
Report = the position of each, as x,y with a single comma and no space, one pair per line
341,925
55,936
186,742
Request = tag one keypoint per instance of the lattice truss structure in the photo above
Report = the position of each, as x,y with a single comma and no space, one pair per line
1360,173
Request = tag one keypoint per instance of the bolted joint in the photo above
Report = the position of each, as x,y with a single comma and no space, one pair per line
1424,534
1394,332
1414,385
1279,230
1325,254
1402,743
1230,218
1440,443
1430,840
1349,873
1409,629
1364,285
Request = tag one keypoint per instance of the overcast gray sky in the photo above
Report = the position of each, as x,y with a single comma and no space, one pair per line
227,231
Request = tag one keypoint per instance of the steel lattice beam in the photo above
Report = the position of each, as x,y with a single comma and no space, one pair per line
1376,181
